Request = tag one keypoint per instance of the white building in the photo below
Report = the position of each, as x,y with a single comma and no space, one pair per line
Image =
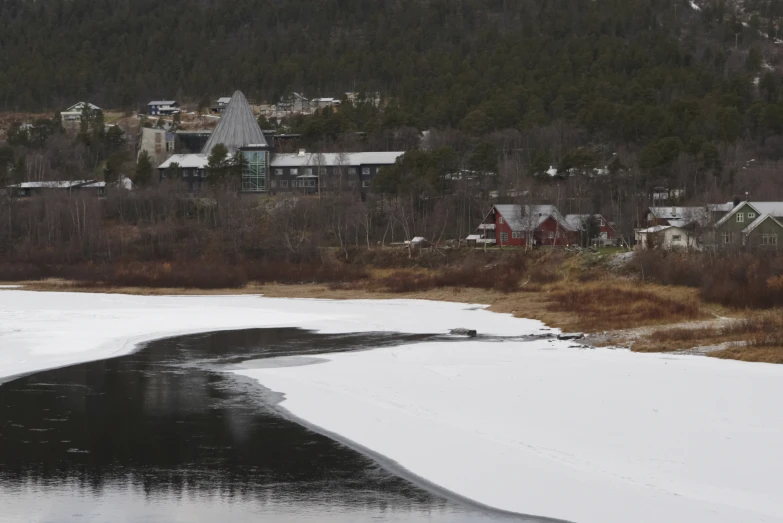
668,237
74,112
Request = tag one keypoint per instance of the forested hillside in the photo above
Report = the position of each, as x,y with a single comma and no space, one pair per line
629,68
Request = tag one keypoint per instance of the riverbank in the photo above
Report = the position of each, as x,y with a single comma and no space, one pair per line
613,310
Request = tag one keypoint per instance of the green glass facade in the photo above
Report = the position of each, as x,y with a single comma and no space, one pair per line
254,170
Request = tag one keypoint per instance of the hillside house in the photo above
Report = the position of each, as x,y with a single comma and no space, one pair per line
74,112
750,224
526,225
320,103
294,103
163,108
220,105
88,187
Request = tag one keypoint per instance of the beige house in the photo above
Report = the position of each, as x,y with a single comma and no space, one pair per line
668,237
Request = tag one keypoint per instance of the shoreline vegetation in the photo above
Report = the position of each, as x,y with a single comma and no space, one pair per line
720,306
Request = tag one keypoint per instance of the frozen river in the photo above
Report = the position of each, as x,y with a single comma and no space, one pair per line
164,435
528,425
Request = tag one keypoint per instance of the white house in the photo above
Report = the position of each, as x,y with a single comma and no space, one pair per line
163,107
668,237
74,112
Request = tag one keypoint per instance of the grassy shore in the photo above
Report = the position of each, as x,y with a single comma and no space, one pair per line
584,293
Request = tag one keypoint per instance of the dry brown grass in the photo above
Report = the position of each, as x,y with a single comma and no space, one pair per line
757,354
755,338
603,306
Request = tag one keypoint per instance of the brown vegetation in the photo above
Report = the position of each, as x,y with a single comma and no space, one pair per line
603,306
756,338
753,280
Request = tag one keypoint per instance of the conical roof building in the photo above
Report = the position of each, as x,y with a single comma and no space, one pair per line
237,128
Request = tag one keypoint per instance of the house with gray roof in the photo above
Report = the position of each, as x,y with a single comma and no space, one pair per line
750,224
526,226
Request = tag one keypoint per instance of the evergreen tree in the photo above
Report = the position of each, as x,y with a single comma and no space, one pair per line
218,164
143,174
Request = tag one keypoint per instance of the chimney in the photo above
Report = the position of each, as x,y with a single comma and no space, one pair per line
674,211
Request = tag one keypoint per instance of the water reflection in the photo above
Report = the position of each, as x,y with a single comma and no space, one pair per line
160,436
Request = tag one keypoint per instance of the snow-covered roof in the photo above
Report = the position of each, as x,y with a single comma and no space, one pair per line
162,102
758,221
672,212
528,217
720,207
62,184
323,99
79,106
657,228
224,100
94,185
335,159
186,161
772,208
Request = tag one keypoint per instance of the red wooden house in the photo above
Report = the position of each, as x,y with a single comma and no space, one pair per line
607,233
523,225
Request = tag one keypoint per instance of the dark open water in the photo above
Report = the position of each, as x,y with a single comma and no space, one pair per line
163,435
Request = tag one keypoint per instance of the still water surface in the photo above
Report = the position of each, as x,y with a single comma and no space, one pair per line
164,435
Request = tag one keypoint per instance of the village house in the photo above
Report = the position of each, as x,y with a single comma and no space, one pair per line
320,103
293,103
220,105
669,237
750,224
87,187
677,216
74,112
36,188
525,225
163,108
606,235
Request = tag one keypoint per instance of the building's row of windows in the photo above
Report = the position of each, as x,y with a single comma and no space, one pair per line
766,239
294,171
520,236
310,182
741,217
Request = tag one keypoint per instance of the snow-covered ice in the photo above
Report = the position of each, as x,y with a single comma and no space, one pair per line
40,330
593,436
539,427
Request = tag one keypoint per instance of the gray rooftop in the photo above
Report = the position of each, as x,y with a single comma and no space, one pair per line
305,159
529,217
237,128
